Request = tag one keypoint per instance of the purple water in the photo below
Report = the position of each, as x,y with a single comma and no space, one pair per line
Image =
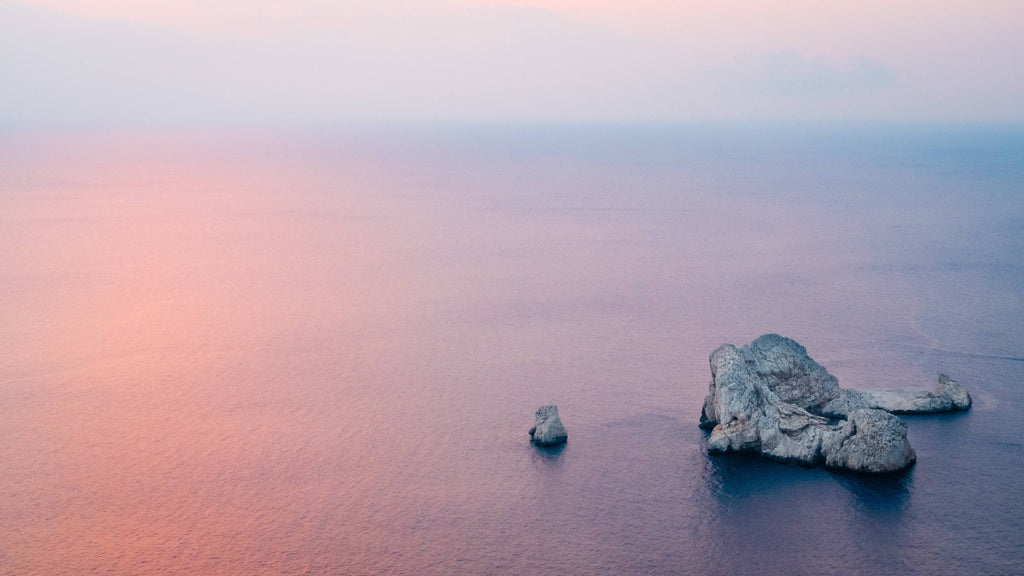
320,353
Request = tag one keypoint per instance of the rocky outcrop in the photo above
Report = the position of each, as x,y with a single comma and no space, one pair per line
948,396
548,429
955,392
872,441
746,415
771,397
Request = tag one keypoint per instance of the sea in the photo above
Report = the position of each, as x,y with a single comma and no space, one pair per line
319,350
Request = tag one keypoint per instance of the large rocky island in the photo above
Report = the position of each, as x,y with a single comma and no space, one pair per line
770,397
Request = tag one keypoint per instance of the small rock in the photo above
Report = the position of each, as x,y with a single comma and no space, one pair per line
952,389
548,429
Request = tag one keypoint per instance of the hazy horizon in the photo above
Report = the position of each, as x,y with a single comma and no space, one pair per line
112,62
283,284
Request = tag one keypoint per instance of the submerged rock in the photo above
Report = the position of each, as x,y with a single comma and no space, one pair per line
771,397
548,429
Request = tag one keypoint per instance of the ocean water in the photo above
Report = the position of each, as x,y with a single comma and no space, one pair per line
297,352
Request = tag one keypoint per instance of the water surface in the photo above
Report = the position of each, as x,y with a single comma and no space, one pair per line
319,353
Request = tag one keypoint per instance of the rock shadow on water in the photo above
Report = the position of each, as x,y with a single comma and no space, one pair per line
821,521
549,457
734,479
739,475
550,453
878,494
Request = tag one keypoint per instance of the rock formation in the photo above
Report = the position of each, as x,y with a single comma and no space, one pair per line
949,396
770,397
548,429
870,440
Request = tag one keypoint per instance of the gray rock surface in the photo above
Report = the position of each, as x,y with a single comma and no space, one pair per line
951,388
746,415
771,397
869,440
548,429
948,396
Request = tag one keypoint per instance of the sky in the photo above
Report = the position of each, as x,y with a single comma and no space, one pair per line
261,61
